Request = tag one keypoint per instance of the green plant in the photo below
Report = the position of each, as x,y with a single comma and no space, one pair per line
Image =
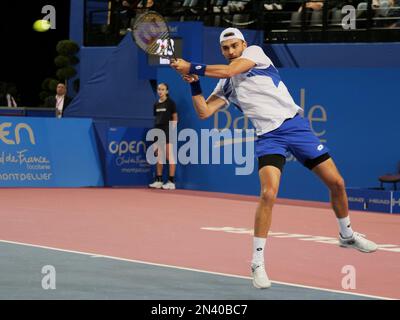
65,62
49,86
66,59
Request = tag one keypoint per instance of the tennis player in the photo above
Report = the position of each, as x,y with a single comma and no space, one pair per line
252,83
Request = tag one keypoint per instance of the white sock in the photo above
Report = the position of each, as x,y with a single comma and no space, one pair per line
345,227
258,250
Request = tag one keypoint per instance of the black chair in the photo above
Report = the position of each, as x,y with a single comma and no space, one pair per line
316,19
391,178
336,19
295,20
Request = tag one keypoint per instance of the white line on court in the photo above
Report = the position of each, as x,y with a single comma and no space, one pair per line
303,237
96,255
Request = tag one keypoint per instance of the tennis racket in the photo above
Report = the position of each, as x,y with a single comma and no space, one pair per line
151,34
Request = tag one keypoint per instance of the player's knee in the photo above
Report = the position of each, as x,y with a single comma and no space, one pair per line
338,185
268,196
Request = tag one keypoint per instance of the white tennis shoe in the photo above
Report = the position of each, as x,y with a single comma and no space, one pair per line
169,186
260,278
359,242
156,185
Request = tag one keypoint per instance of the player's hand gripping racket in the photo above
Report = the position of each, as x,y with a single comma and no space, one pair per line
151,34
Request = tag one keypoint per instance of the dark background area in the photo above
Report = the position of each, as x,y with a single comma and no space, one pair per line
27,56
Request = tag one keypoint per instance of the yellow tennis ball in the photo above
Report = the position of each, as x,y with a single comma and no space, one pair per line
41,25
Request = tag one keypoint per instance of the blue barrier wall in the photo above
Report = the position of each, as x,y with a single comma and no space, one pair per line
43,152
349,91
353,111
114,92
387,201
313,55
335,55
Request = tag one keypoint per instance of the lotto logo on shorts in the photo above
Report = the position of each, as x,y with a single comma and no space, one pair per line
320,147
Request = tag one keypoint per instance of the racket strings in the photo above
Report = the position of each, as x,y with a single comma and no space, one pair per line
151,34
154,48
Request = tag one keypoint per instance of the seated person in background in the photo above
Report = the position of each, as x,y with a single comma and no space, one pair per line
238,6
270,5
381,7
152,5
192,6
313,5
218,4
394,11
60,101
227,7
146,5
11,101
125,11
7,92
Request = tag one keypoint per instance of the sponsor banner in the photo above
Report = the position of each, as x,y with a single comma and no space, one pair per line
374,200
126,162
45,152
395,201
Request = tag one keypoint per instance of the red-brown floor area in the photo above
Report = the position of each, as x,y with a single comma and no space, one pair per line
168,227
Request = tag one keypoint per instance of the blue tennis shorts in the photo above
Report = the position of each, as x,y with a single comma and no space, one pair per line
295,136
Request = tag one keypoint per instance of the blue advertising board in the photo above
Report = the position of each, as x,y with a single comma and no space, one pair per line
126,163
387,201
47,152
346,111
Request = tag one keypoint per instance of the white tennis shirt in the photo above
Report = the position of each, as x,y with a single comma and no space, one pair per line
259,93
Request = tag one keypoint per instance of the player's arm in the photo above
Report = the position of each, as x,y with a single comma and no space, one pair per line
220,71
204,108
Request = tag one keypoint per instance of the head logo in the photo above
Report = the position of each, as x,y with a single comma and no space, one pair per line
5,133
394,202
320,147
